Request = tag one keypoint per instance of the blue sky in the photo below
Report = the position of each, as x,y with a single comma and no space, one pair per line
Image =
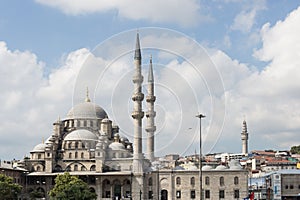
49,33
43,42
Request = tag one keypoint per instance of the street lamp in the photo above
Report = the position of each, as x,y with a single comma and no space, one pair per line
25,174
200,116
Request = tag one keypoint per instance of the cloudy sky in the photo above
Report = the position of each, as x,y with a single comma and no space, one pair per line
232,60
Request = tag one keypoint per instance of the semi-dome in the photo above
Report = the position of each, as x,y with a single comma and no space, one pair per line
86,110
221,167
39,148
81,134
206,168
116,146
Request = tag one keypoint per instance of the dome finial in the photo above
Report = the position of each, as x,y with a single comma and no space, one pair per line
87,99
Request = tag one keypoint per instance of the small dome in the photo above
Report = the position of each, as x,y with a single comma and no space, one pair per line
105,120
86,110
206,168
116,146
125,139
192,168
221,167
81,134
39,148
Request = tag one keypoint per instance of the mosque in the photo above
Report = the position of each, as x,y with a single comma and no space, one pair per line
86,143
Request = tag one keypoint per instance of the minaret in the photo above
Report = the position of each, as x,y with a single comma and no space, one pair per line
244,136
137,113
150,114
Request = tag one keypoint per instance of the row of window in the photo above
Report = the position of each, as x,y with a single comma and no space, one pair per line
207,195
236,194
291,187
76,155
76,145
207,181
82,168
80,123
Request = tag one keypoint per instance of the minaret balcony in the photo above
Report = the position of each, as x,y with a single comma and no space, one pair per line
150,114
151,128
137,114
138,79
138,96
150,98
244,137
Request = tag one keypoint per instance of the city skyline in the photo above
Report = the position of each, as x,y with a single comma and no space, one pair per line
253,48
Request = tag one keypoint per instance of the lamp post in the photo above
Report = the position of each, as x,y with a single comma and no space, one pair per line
200,116
25,174
131,175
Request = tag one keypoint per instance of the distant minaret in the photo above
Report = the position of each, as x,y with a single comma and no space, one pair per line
137,113
244,135
150,114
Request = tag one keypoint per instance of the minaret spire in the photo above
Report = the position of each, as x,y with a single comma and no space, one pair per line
244,136
137,113
137,53
151,128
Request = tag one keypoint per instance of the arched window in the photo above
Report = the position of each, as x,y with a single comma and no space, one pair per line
38,168
193,181
178,181
150,181
236,180
75,167
70,145
68,169
76,145
76,154
93,168
82,155
70,155
221,181
206,180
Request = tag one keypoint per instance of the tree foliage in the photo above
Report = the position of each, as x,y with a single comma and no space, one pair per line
69,187
295,149
8,189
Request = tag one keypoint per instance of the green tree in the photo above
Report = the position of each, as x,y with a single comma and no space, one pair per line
69,187
295,149
8,189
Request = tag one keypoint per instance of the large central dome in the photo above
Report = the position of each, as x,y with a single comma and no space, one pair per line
86,110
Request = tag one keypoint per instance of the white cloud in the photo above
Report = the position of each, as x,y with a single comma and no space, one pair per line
245,20
184,13
31,102
270,98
